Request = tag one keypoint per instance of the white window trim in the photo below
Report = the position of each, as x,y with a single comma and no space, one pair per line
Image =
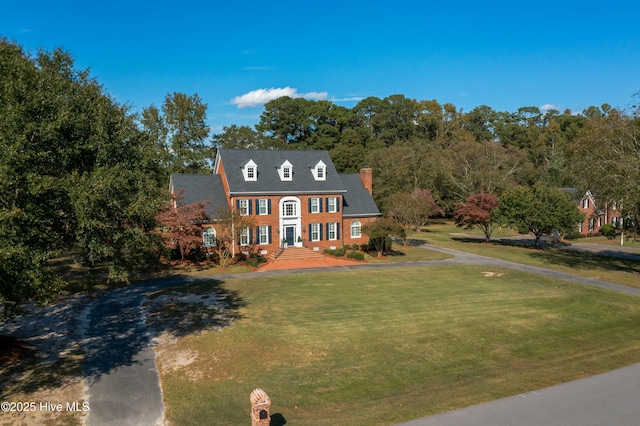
266,206
263,231
333,225
207,236
335,205
315,231
290,203
244,236
317,206
245,171
320,171
245,207
281,171
356,225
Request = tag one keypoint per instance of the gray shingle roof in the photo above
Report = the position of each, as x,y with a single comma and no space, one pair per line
208,187
268,162
199,187
357,200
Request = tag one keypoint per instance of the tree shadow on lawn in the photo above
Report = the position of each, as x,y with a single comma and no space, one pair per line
85,337
523,241
588,261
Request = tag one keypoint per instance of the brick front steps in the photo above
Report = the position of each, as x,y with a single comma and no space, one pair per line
295,253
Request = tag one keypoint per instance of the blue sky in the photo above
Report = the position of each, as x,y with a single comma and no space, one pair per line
237,55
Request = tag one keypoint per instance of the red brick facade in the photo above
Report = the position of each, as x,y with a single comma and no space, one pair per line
596,214
330,216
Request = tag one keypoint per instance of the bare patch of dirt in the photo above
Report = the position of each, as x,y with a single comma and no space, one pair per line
41,364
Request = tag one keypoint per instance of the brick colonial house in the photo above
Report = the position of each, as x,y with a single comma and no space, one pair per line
295,198
597,213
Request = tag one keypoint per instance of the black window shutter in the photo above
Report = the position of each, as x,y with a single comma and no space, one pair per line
309,205
320,205
238,205
268,205
320,230
338,230
338,203
269,233
249,206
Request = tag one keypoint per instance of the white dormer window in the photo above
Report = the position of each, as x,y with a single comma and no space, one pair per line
250,171
320,171
286,171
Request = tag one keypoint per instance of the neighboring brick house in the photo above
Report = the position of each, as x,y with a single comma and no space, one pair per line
596,213
295,198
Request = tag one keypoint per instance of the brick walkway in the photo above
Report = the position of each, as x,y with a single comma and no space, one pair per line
323,262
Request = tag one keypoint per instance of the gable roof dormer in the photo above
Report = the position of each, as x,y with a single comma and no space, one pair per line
286,171
270,172
320,171
250,171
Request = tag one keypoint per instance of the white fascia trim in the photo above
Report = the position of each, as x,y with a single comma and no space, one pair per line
362,215
235,194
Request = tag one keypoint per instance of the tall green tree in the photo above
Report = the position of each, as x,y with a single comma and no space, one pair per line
481,122
298,123
180,133
487,167
605,158
539,209
287,121
239,137
409,165
75,172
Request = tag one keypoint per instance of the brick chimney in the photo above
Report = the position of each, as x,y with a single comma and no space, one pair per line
366,176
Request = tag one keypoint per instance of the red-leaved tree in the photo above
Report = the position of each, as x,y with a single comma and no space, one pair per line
476,211
180,225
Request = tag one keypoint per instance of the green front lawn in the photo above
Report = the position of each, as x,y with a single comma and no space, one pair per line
619,271
380,347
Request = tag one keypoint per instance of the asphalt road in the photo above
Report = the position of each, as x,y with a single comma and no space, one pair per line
609,399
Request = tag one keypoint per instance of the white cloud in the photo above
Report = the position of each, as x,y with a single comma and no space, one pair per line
547,107
262,96
348,99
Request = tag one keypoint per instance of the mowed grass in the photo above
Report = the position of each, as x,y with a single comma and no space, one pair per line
384,346
611,269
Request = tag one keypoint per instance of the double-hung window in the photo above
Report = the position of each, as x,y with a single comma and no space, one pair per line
315,231
245,239
332,231
243,207
263,234
314,205
263,206
332,204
